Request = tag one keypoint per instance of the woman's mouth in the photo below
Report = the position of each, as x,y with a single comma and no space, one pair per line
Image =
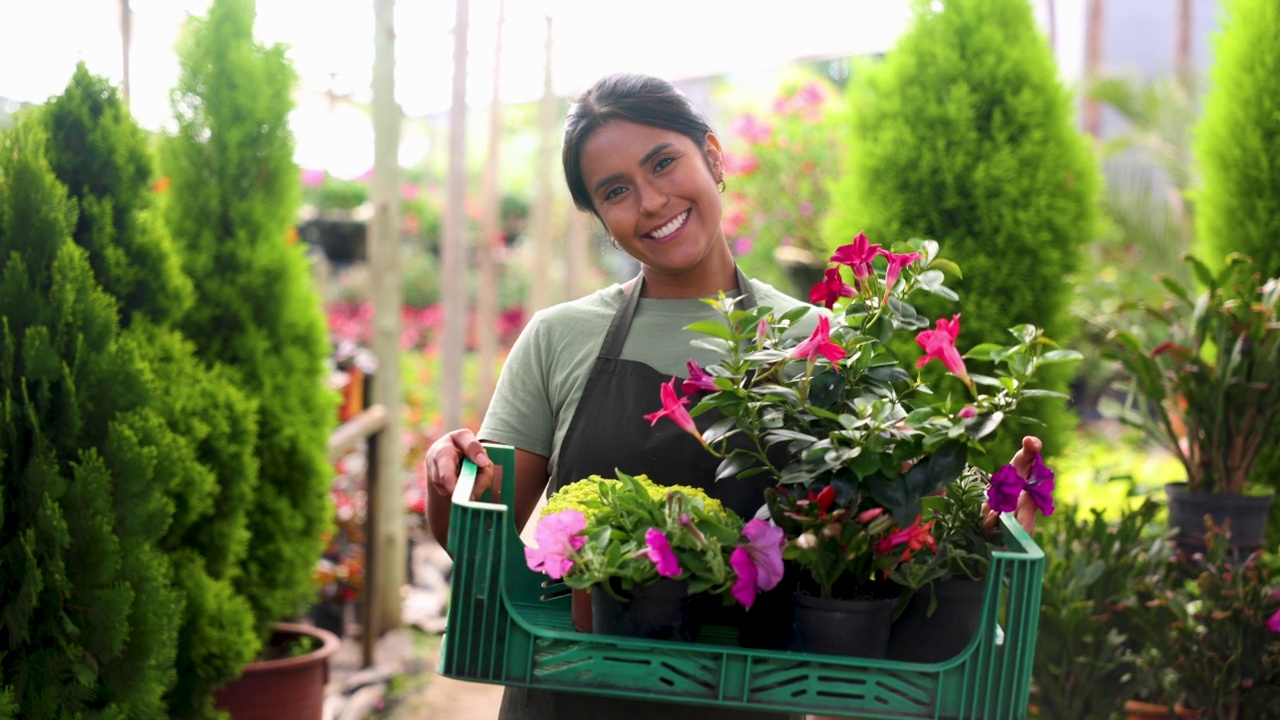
666,230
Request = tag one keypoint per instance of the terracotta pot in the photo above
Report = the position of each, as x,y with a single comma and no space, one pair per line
581,603
287,688
1139,710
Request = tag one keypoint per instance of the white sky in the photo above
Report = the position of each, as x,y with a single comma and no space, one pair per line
332,47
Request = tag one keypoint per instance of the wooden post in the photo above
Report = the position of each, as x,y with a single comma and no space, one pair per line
453,248
1094,43
577,252
126,45
385,533
490,236
540,295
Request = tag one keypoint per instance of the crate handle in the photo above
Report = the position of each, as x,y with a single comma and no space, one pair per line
467,485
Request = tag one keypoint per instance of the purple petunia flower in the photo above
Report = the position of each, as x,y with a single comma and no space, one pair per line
1273,624
1040,486
661,554
1002,495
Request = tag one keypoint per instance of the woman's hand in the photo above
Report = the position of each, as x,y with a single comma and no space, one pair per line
1026,511
443,463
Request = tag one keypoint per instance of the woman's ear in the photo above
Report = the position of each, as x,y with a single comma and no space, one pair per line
715,156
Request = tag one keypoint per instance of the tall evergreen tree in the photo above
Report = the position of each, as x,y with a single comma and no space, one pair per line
1236,146
234,194
100,153
88,611
965,134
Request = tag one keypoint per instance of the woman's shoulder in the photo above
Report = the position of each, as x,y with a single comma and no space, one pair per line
771,297
593,307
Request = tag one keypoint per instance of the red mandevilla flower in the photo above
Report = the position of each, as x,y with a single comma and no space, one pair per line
819,343
698,380
673,407
940,344
831,289
858,256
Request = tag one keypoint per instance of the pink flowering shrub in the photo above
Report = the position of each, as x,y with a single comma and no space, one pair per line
625,532
854,436
778,162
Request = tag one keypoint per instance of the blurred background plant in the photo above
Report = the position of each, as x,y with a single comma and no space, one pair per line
778,163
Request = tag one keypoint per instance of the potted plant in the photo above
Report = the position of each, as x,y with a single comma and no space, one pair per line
1212,641
841,413
943,588
1203,379
648,552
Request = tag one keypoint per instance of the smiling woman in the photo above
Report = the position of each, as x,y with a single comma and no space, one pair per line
581,377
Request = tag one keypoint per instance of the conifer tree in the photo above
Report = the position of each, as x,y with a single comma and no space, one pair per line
964,134
1236,146
100,153
233,198
87,603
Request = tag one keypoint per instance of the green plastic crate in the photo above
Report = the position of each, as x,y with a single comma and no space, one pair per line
510,626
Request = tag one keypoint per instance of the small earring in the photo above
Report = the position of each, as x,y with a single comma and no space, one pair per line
720,184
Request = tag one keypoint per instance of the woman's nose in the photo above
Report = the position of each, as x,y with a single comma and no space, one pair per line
652,198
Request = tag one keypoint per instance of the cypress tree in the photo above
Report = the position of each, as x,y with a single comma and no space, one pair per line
964,134
233,198
1236,145
88,612
100,153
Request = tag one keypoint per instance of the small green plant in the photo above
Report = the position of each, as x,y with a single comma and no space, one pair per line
1087,606
1212,640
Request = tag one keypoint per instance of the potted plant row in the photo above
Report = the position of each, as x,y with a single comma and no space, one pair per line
880,491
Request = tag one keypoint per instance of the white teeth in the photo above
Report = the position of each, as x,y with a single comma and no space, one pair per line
670,227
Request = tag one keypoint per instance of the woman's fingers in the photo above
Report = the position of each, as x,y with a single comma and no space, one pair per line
1026,456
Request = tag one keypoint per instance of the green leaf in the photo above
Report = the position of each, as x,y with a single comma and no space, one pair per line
1055,356
712,328
734,464
947,267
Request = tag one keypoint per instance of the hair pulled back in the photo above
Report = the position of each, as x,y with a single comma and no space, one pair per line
641,99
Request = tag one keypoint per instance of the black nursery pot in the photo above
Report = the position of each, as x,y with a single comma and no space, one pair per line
661,611
919,637
834,626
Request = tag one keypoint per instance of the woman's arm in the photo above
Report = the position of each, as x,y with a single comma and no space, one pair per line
443,463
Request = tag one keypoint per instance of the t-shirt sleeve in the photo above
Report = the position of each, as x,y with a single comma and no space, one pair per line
520,412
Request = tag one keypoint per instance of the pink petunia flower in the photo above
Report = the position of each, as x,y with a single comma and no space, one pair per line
758,564
830,289
968,412
698,380
1273,623
673,407
661,554
940,343
819,343
558,539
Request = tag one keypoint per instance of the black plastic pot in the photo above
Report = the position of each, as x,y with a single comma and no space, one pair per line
919,637
832,626
1245,514
661,611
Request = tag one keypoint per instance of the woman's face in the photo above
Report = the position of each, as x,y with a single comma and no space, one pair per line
656,194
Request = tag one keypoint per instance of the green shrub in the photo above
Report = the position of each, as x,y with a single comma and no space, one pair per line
964,134
1236,145
87,601
233,198
99,152
1091,565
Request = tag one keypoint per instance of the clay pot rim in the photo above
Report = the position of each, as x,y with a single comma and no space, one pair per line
329,645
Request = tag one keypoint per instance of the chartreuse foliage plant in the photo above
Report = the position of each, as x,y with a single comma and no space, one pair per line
1235,145
230,207
965,134
100,154
88,608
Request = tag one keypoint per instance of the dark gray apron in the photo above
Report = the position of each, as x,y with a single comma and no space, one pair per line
609,433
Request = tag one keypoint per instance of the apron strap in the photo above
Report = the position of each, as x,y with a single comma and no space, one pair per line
621,325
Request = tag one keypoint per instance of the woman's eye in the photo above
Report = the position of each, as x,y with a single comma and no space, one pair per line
613,193
663,163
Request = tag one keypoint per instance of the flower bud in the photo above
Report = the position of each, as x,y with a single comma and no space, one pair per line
831,531
807,541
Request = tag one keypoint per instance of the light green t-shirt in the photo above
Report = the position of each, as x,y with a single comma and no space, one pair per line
548,366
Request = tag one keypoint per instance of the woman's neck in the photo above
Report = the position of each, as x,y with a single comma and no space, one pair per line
707,279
